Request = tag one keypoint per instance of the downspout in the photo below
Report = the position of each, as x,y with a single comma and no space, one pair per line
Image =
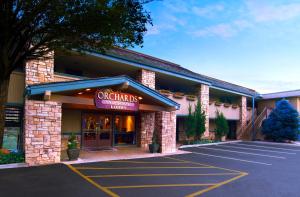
253,109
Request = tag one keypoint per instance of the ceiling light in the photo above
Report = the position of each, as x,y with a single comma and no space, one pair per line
88,89
140,98
80,93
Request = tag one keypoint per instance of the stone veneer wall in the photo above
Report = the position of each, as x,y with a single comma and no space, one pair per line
147,78
147,119
243,114
42,132
204,98
165,125
146,129
40,71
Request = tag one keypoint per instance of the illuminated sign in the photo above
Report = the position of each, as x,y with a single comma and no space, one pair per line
107,99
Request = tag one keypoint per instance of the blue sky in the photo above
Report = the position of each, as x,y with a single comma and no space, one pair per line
254,43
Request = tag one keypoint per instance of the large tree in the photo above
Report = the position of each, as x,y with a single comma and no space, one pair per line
29,29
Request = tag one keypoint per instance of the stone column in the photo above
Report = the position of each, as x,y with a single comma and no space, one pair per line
40,71
147,119
146,78
42,132
243,115
165,126
146,129
203,95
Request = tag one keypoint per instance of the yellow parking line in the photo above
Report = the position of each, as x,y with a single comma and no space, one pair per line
136,168
104,189
161,185
206,165
145,175
216,185
159,162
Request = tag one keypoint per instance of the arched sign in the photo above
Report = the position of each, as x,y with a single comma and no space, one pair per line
107,99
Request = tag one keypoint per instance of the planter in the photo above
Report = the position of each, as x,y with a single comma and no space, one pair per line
211,102
73,154
249,108
226,105
234,106
191,97
153,148
178,95
218,103
165,92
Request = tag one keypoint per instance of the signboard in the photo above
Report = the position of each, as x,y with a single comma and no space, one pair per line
108,99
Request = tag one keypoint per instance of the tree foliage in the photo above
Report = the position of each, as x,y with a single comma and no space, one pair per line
282,123
199,116
190,124
222,127
29,29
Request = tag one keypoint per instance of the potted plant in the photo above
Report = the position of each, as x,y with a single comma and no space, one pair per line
226,105
165,92
178,95
191,97
73,150
234,106
218,103
154,146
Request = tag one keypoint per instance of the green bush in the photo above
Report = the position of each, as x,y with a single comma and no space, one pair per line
72,142
12,158
222,127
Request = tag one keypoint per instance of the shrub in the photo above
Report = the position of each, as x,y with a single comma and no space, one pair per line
199,116
222,127
11,158
190,125
72,141
282,123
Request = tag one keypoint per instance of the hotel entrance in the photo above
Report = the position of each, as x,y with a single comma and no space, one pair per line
103,131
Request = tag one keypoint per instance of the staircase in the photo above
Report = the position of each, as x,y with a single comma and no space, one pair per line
246,132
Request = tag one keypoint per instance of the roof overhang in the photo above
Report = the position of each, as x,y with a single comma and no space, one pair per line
57,87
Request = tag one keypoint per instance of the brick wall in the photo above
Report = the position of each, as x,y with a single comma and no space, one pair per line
42,132
204,98
165,126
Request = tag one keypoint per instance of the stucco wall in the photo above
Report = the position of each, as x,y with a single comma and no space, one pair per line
71,121
16,88
270,103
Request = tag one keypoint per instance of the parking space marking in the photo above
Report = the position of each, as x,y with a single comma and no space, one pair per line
216,185
256,149
208,186
160,185
148,162
232,158
136,168
287,149
104,189
146,175
247,153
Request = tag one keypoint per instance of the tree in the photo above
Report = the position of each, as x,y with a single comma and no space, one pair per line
222,127
199,118
282,123
31,29
190,124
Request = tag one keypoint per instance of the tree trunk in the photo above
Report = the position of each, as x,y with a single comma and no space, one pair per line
3,99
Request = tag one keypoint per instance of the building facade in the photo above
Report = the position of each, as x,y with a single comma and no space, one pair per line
114,99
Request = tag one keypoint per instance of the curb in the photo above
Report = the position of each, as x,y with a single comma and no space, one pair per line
209,144
13,165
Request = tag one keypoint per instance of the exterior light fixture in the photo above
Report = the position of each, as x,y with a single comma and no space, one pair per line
80,93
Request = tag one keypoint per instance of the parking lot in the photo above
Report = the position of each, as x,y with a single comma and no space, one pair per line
236,169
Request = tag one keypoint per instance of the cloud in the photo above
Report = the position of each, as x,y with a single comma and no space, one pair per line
207,11
224,30
263,11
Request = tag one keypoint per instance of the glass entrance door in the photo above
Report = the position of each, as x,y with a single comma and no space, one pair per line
124,130
96,131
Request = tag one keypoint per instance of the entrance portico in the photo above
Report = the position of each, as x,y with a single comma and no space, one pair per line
111,111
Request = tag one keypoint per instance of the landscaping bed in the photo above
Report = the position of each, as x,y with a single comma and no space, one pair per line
7,157
202,141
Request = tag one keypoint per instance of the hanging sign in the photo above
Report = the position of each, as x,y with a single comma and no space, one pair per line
108,99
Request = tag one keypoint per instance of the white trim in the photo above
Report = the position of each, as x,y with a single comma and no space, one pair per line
210,144
13,165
